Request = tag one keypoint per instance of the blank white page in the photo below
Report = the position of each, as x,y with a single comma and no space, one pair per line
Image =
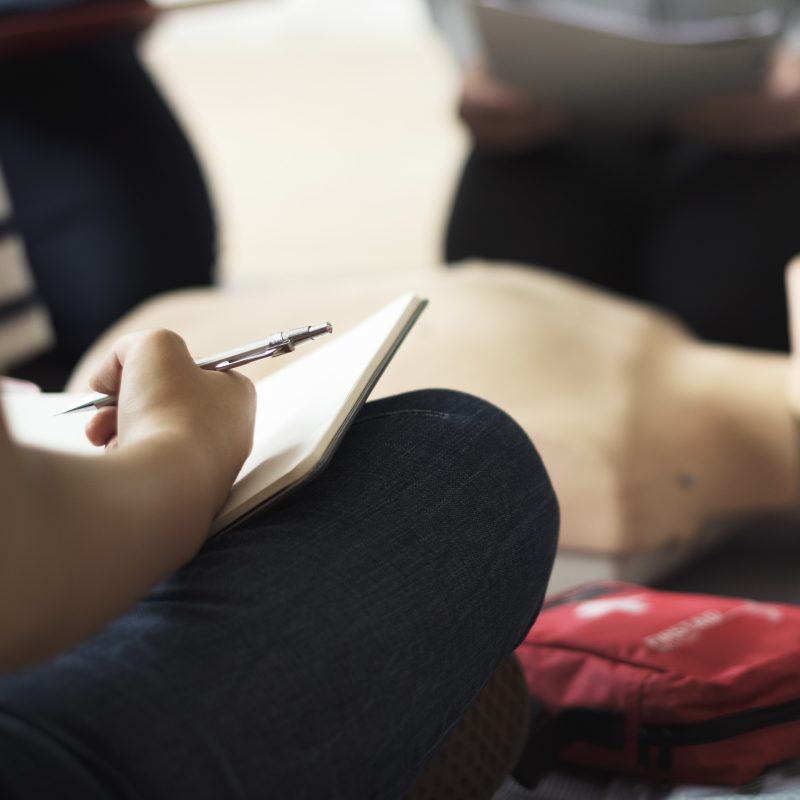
304,407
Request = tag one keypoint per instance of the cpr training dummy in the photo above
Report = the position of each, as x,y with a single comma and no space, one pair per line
654,440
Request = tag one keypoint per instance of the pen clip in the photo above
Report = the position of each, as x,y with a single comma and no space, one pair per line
251,355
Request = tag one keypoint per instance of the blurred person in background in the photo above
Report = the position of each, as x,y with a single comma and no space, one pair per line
107,193
698,218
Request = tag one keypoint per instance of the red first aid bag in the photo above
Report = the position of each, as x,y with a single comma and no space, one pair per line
679,687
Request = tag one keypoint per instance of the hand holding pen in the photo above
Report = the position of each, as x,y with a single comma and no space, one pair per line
202,418
172,424
277,344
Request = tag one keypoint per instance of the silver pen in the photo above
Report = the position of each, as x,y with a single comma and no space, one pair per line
276,345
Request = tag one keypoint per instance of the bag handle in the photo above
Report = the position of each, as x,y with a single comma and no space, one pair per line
550,734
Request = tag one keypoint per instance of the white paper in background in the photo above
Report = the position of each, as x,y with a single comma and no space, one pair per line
676,28
608,80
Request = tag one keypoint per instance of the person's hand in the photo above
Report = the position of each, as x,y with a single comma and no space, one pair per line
768,119
163,393
503,119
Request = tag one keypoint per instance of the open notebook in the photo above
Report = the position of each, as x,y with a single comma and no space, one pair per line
303,409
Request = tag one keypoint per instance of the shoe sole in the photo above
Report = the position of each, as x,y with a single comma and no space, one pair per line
485,746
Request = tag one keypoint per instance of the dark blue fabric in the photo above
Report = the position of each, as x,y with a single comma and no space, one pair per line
321,650
107,193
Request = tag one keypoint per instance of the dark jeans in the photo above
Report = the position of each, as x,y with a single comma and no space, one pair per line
106,190
322,650
703,234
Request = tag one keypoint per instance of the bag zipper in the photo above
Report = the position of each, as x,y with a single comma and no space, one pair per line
664,738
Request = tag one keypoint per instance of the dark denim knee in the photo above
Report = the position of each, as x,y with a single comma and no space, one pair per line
508,484
491,428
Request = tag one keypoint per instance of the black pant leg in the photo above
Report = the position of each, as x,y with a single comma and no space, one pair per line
727,227
577,209
321,650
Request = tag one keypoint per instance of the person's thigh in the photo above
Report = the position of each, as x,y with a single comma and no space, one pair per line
576,208
105,188
326,647
726,229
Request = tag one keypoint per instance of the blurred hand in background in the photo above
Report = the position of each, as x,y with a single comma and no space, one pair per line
760,121
503,119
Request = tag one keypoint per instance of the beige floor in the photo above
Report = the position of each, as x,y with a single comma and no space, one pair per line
326,128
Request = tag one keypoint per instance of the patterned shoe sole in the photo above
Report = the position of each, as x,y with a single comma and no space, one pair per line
484,747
